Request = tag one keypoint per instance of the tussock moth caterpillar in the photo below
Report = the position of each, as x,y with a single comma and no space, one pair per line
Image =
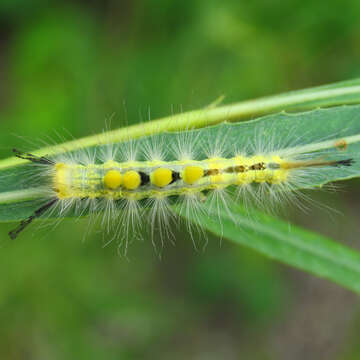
140,180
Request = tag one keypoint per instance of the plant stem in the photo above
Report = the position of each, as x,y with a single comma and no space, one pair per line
341,93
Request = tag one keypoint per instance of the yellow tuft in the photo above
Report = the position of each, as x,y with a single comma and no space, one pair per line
113,179
161,177
192,174
131,180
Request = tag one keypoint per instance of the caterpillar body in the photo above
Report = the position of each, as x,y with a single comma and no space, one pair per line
128,182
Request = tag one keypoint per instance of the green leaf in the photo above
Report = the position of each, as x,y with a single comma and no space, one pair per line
316,131
294,134
291,245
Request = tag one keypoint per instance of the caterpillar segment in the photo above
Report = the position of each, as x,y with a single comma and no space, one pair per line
140,180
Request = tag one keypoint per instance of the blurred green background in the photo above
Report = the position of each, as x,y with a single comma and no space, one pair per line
72,65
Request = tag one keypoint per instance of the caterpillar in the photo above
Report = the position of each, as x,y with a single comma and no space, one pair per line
140,180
